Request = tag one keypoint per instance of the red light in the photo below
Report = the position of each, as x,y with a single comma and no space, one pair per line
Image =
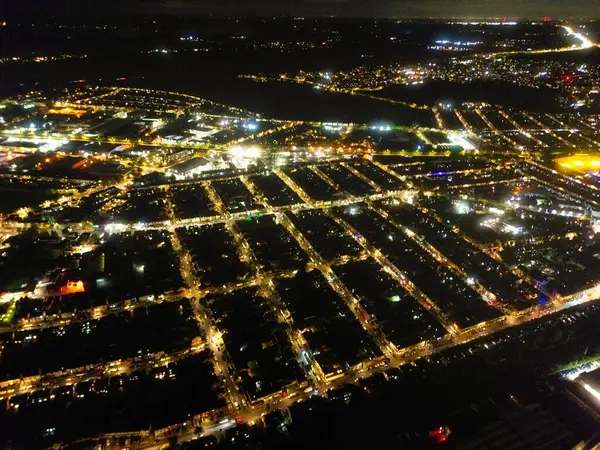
440,435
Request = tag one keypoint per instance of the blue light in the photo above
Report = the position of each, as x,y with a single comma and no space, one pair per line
251,126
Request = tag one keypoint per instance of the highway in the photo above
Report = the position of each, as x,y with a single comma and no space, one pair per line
584,43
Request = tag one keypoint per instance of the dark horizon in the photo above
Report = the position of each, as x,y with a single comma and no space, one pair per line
355,9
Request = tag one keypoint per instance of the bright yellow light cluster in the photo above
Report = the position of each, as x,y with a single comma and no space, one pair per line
67,111
582,162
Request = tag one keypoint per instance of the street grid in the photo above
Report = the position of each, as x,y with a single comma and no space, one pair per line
239,404
379,210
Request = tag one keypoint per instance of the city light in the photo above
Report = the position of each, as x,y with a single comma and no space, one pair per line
460,139
381,127
81,249
115,227
73,287
462,207
251,126
252,152
579,162
279,258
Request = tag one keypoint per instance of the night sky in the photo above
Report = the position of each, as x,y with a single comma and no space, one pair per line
341,8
